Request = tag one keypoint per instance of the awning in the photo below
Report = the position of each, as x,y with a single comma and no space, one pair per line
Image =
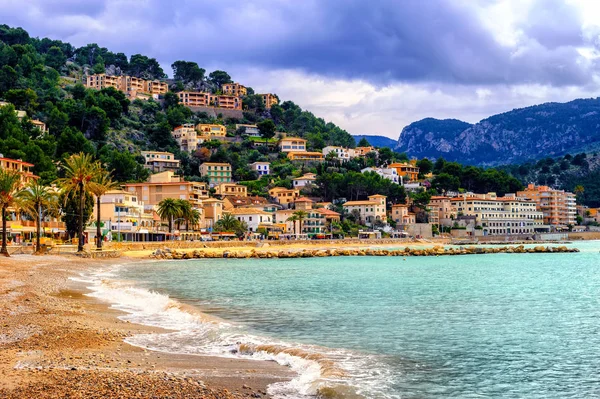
143,231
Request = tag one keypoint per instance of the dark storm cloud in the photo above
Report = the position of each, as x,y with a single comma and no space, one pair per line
382,41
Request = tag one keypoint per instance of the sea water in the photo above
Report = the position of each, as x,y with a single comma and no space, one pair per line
476,326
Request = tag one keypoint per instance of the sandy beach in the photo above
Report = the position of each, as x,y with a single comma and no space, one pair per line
56,342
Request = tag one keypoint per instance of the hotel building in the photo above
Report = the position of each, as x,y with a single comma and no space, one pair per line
369,211
159,161
558,206
168,185
216,172
234,89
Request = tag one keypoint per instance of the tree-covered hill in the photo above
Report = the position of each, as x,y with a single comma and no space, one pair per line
44,78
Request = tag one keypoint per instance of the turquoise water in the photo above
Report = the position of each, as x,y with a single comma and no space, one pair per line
503,325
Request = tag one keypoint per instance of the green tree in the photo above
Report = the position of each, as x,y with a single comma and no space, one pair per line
80,172
301,215
293,219
267,130
36,199
169,209
425,166
9,189
219,78
103,183
187,71
363,142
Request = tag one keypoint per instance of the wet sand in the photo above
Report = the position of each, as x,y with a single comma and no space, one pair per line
55,342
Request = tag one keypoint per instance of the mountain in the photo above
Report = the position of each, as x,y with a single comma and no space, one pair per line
376,141
550,129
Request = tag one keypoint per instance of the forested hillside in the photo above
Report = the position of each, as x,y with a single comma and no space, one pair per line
43,77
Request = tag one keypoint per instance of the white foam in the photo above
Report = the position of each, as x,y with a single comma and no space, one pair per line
199,334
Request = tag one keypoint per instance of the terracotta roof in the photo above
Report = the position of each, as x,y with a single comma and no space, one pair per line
303,199
327,212
355,203
247,211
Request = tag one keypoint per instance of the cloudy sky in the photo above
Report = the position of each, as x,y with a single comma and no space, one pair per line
369,66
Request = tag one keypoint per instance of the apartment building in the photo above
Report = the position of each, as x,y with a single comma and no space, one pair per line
159,161
292,144
216,172
306,180
231,189
284,196
186,137
409,171
401,215
234,89
122,211
194,98
168,185
130,85
18,165
500,215
441,211
262,168
369,211
229,102
269,100
387,173
558,206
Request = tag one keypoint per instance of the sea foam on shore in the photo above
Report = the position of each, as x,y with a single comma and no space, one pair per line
319,370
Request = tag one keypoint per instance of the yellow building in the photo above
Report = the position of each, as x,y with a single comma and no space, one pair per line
213,212
130,85
168,185
160,161
283,195
368,211
292,144
208,132
40,125
186,136
20,166
234,89
193,98
229,102
122,211
231,189
269,100
305,156
558,206
216,172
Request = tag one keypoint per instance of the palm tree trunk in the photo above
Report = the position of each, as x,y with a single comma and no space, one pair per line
80,227
4,249
170,224
98,230
38,228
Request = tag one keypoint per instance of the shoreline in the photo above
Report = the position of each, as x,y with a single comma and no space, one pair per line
56,341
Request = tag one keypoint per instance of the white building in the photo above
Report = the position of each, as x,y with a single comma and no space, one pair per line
262,168
252,216
343,154
386,173
303,181
249,130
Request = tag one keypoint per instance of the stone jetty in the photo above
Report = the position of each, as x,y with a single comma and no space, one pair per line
312,253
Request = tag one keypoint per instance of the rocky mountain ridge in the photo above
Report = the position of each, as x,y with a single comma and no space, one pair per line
550,129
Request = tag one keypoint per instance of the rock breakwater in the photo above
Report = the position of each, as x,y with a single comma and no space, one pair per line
312,253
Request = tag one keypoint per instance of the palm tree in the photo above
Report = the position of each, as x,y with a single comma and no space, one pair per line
193,219
301,216
185,210
104,183
81,171
293,219
168,209
227,223
9,185
34,200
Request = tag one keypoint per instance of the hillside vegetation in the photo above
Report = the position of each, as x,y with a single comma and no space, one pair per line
43,77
